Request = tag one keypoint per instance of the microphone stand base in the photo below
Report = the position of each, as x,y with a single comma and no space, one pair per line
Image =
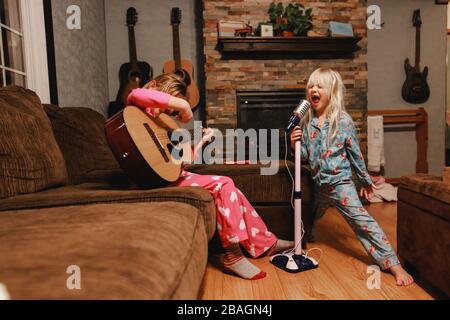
294,263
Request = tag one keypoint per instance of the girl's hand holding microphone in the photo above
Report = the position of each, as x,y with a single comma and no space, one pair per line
296,135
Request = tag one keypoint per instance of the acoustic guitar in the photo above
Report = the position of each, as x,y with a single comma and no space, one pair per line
143,147
416,89
134,74
182,67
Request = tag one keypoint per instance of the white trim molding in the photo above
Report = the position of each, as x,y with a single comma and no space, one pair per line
35,47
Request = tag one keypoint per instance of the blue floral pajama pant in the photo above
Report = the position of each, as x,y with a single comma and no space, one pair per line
344,197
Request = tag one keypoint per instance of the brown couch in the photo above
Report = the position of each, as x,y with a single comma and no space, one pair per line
65,202
423,230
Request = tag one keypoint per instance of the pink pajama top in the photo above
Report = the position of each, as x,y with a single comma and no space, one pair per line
148,99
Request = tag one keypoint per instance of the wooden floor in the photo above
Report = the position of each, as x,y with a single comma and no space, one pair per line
342,273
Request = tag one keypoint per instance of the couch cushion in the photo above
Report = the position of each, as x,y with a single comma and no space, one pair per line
425,203
124,251
256,187
429,185
80,135
90,193
30,159
115,177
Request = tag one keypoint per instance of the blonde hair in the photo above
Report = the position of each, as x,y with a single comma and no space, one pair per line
169,83
332,82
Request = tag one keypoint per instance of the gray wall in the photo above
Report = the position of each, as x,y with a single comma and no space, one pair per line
387,50
153,35
81,67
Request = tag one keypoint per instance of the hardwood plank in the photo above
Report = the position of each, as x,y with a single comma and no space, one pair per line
212,284
235,288
342,272
318,284
270,287
386,215
345,257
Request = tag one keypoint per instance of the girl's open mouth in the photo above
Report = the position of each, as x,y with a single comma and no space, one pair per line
315,98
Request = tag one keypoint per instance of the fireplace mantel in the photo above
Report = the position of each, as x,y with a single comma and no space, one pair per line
311,47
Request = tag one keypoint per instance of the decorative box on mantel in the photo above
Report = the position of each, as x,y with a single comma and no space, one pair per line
310,46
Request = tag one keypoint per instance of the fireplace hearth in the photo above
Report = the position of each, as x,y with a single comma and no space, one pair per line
267,110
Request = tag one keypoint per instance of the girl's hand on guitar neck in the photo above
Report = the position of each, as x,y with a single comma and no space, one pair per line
208,133
206,137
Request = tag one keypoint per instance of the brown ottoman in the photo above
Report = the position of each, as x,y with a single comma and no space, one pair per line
423,230
270,195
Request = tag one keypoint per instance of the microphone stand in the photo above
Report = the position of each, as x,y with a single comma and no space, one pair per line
295,261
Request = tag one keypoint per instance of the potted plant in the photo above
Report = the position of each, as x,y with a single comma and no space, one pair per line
276,11
290,21
299,19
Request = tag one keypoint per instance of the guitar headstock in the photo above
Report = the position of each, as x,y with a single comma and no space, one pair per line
175,16
417,21
132,17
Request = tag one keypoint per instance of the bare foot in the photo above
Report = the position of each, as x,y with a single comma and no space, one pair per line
402,277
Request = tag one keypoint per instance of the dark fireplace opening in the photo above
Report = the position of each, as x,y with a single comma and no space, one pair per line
267,110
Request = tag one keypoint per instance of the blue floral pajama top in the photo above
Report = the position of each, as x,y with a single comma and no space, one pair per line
332,163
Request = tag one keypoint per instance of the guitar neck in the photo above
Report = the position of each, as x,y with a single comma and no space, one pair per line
176,46
132,46
417,62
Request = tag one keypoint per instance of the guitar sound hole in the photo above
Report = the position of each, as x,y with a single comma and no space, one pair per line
134,75
185,77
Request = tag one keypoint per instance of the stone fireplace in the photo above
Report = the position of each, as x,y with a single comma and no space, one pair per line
228,78
266,110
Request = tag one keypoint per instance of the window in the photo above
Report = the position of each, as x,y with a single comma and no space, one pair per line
23,48
12,65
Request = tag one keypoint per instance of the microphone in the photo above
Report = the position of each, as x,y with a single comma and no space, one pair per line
299,113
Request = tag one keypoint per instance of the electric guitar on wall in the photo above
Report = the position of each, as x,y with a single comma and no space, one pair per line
134,74
416,89
182,67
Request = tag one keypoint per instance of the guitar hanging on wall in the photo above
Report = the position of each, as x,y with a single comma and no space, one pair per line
134,74
416,89
182,67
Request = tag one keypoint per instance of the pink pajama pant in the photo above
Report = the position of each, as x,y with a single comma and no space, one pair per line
237,220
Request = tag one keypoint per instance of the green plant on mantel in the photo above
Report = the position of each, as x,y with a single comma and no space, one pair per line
294,18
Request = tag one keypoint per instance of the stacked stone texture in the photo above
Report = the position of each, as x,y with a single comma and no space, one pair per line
225,76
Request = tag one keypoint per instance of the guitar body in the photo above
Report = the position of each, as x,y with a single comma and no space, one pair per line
130,80
184,68
132,75
415,89
192,89
142,146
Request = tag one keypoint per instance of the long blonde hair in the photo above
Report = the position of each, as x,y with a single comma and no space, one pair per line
332,82
169,83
